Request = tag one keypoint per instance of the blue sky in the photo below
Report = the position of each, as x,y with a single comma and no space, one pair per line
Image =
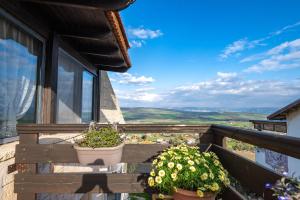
211,53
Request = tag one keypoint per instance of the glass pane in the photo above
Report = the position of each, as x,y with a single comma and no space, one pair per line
68,89
87,97
20,56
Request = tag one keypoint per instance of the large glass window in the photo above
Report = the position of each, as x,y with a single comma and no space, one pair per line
20,60
74,91
87,97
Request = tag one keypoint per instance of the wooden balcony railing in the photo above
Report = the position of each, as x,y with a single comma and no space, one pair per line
28,182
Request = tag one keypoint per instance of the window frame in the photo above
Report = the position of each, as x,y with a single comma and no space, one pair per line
40,73
85,67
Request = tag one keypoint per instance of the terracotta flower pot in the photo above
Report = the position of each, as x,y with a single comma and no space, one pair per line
99,156
181,194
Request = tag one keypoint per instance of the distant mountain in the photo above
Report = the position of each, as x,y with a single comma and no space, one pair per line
190,116
262,110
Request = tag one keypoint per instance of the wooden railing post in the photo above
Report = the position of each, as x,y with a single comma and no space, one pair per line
27,168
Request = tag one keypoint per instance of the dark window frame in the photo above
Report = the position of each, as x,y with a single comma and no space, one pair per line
86,66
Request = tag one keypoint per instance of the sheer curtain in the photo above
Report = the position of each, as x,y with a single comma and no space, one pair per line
19,55
68,89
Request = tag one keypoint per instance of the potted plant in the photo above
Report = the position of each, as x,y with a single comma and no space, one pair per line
185,173
102,146
287,188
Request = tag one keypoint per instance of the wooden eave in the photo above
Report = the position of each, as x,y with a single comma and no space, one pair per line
281,113
89,26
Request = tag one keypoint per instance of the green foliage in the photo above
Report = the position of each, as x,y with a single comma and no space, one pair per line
287,188
186,168
238,145
104,137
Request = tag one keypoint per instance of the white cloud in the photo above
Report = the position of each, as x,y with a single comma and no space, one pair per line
286,28
227,89
234,91
139,36
243,44
283,56
235,47
136,43
127,78
142,33
138,96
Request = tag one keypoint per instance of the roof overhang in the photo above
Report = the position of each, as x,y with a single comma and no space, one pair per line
92,27
282,113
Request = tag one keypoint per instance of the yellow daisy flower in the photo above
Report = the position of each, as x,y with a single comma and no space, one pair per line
161,173
158,179
204,176
200,193
171,165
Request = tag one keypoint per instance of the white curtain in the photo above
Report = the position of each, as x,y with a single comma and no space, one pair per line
18,71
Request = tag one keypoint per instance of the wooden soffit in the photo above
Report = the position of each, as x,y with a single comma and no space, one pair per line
92,27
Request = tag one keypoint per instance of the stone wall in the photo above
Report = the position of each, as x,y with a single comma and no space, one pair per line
110,111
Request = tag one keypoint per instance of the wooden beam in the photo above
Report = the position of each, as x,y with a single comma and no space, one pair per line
27,169
86,4
92,37
280,143
125,128
65,153
81,183
250,174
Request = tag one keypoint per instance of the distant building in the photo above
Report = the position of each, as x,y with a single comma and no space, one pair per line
287,121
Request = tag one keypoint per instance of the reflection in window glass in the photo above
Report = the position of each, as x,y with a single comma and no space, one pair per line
68,89
87,97
20,56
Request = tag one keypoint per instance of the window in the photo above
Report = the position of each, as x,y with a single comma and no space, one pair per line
87,97
74,91
20,62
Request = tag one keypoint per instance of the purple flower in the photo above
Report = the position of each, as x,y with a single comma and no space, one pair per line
285,173
268,186
283,198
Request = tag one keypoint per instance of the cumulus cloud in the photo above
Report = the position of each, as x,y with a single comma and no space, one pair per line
137,96
136,43
234,91
227,89
142,33
127,78
243,44
283,56
139,36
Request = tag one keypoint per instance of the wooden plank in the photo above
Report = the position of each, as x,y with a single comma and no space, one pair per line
126,128
247,172
280,143
86,4
27,169
50,85
81,183
65,153
141,153
231,193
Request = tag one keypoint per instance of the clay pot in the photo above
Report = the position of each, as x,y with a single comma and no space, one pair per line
99,156
181,194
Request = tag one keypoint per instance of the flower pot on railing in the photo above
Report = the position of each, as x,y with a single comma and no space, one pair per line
99,156
187,174
100,147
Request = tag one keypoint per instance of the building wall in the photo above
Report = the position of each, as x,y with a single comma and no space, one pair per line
293,129
110,111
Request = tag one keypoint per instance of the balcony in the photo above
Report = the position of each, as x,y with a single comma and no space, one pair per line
29,153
